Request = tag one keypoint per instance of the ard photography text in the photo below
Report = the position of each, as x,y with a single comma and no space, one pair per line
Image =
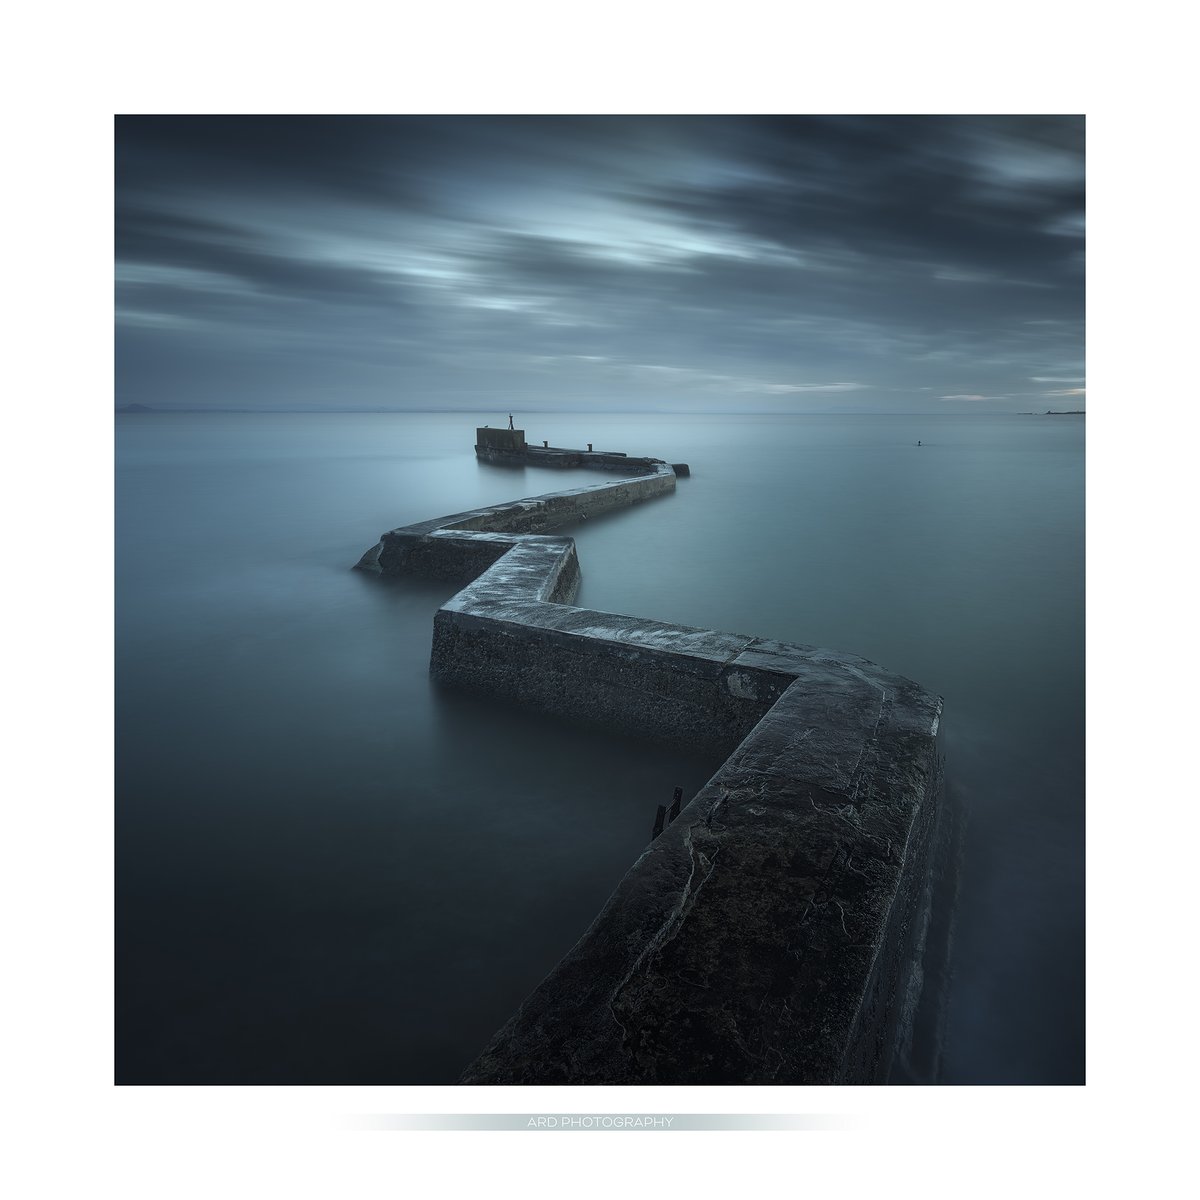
608,1121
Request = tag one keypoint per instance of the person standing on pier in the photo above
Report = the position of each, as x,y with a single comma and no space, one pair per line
510,424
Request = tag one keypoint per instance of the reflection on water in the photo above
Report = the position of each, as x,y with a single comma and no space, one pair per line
329,872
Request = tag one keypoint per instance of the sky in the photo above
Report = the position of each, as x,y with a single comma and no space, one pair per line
690,264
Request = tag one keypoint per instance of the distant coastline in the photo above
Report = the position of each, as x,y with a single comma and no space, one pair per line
662,412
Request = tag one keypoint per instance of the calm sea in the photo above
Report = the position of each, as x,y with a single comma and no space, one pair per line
328,872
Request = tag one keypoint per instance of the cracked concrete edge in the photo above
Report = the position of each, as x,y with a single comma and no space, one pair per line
666,982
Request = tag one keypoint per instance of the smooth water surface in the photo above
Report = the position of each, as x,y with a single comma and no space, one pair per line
329,872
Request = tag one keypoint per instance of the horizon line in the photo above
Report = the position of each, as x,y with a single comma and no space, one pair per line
974,412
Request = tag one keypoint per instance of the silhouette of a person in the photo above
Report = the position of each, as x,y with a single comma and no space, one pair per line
510,424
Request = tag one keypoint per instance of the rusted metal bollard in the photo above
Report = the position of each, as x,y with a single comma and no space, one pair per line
676,803
663,818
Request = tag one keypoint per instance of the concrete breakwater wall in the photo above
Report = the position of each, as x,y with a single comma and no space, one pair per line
773,932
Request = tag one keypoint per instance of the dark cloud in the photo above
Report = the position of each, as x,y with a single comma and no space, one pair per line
962,192
247,260
690,262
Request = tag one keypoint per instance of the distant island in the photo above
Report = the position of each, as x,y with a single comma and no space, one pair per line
134,408
1065,412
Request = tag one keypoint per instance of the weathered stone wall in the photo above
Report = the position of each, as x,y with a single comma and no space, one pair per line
509,440
409,550
568,664
766,936
771,934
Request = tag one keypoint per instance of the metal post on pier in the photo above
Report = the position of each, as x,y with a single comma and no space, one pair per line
676,803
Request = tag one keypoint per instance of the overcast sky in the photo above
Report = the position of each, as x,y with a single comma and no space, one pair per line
693,264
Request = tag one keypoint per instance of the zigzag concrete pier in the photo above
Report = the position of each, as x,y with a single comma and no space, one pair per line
774,932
